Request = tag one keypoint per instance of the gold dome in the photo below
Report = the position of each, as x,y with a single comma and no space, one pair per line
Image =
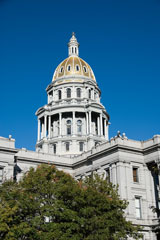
73,66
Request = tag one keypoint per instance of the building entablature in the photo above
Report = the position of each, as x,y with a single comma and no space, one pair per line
104,149
70,104
74,79
114,146
120,145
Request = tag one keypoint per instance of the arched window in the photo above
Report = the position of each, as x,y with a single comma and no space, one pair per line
69,68
68,92
72,49
61,69
68,127
75,50
89,93
79,126
59,94
77,68
85,69
78,93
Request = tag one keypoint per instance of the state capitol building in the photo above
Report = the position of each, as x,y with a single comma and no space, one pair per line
73,135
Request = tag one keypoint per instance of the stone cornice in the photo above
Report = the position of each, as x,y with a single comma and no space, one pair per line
8,150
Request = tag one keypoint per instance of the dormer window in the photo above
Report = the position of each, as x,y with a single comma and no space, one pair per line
61,70
69,68
77,68
85,69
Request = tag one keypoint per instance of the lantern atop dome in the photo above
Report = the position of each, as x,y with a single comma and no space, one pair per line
73,46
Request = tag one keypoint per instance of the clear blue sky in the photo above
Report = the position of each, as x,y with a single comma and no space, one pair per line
120,39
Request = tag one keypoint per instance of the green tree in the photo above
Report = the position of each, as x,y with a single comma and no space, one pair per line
49,204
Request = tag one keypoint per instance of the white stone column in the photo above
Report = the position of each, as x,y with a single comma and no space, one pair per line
60,124
86,93
74,124
92,93
62,93
39,126
73,92
45,125
98,125
59,147
105,129
128,169
114,174
101,124
90,123
49,126
87,123
42,131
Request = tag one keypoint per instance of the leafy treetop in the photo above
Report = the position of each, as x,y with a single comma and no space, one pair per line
49,204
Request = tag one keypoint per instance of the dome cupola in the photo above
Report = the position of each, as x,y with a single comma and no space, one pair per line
73,46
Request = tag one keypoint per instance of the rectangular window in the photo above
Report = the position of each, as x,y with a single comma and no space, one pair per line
67,146
138,207
135,174
54,148
1,175
81,144
68,130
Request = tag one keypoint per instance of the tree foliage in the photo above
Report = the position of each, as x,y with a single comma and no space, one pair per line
49,204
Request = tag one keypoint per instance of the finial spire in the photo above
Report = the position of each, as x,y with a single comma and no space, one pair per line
73,46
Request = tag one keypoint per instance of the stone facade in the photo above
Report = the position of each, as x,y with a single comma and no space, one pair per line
73,135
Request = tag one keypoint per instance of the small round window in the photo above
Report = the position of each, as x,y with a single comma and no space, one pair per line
85,69
69,68
77,68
